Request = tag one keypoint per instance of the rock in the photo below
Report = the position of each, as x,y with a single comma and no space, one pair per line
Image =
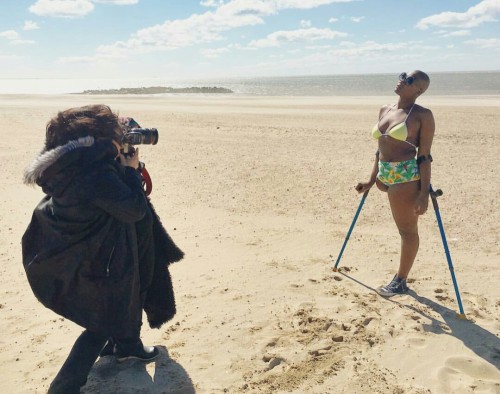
274,362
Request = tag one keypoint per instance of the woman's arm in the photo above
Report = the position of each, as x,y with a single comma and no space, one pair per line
427,128
119,192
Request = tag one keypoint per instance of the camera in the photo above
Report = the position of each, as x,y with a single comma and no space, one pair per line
138,136
133,134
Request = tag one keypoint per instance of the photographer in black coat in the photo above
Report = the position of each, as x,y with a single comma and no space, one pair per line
95,251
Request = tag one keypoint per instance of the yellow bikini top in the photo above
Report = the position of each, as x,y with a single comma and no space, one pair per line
398,132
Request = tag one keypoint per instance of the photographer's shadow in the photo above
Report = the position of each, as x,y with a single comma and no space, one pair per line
482,342
130,377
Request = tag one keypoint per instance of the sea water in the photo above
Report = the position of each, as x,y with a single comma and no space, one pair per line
442,83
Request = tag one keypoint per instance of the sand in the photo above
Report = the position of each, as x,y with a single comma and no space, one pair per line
259,194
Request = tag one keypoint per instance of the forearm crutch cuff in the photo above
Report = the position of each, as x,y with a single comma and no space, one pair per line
423,158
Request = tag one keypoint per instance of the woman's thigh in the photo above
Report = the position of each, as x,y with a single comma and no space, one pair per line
402,198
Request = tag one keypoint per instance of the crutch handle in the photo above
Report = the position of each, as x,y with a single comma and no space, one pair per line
436,193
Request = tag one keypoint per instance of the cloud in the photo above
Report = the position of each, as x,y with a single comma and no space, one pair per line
357,19
21,42
14,38
213,53
62,8
372,48
10,34
71,8
305,24
30,25
485,42
483,12
117,2
77,60
199,28
211,3
312,34
306,4
332,20
457,33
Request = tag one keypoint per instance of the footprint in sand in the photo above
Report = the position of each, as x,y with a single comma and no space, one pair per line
417,343
460,372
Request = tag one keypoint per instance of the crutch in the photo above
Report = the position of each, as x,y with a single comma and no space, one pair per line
351,228
434,195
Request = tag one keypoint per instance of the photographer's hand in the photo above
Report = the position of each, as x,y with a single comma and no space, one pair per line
131,160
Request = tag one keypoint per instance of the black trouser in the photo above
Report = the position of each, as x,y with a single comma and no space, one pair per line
77,366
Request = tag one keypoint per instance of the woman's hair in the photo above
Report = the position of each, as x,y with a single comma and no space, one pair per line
97,121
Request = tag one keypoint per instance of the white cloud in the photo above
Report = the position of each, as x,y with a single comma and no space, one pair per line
117,2
71,8
357,19
457,33
10,34
77,59
305,24
483,12
21,42
62,8
306,4
213,53
198,28
30,25
332,20
211,3
485,42
367,48
312,34
14,38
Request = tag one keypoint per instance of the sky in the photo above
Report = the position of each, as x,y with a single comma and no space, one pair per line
244,38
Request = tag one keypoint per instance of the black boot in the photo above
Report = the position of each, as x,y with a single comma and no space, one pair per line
134,349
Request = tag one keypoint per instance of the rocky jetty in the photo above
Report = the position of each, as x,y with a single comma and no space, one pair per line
160,90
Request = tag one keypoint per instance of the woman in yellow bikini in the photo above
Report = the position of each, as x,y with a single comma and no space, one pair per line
403,167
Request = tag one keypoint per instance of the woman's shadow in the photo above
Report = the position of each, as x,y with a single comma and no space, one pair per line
482,342
131,377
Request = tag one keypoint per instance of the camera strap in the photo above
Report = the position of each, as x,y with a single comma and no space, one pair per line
146,181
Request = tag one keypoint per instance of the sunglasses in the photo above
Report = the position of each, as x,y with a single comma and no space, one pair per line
406,79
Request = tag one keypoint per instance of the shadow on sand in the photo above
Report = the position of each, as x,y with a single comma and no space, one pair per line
169,377
482,342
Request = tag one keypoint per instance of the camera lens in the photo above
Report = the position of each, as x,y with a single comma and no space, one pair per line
150,136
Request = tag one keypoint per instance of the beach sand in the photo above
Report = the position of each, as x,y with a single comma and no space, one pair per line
259,193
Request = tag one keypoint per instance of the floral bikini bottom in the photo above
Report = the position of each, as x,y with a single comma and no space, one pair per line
394,172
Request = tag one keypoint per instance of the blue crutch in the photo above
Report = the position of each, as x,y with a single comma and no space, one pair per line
434,195
351,228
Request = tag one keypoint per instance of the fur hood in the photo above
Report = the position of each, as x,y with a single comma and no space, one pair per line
34,172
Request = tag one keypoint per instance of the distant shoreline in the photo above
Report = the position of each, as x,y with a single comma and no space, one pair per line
160,90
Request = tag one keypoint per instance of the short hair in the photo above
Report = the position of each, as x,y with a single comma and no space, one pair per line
97,121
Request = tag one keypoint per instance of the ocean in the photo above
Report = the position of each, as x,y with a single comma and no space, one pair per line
442,83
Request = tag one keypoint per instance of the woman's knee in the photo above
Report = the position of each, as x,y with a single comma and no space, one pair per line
410,232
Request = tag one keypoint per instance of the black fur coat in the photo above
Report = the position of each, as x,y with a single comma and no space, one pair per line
80,250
